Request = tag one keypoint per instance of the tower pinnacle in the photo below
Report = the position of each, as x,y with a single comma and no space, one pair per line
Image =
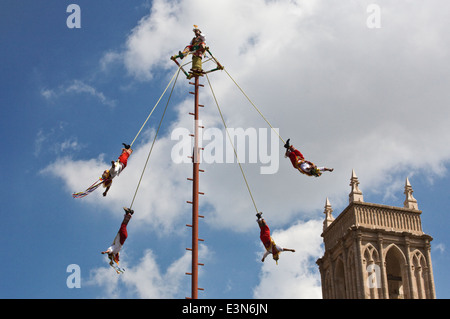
356,194
410,202
328,217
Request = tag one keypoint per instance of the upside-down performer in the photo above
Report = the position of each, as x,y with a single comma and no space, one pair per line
116,167
268,242
299,162
119,240
108,175
197,47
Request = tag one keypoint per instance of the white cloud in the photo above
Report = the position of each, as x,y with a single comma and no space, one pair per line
77,86
110,58
439,247
296,275
148,281
101,277
145,279
38,142
76,174
46,140
47,93
70,144
81,87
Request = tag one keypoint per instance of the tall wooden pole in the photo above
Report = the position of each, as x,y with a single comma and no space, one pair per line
195,192
195,73
195,176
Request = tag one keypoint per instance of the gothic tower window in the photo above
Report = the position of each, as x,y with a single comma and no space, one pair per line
339,276
396,274
372,272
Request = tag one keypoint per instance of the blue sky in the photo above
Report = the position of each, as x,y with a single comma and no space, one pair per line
349,96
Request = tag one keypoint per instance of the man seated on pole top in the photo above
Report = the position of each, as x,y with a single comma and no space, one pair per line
268,242
198,47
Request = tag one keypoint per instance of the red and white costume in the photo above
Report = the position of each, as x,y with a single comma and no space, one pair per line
119,240
121,163
299,162
268,242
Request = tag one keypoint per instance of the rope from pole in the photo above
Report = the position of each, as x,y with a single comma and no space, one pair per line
256,108
173,77
231,142
156,135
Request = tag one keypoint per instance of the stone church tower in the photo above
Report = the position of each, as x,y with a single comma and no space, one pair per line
376,251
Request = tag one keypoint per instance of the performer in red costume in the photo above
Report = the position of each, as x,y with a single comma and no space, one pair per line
268,242
119,240
303,166
116,168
